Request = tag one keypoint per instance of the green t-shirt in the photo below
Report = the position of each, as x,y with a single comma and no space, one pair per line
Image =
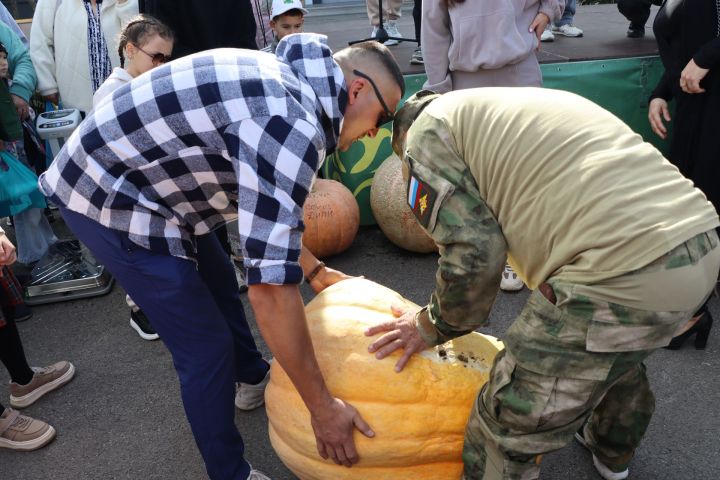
578,195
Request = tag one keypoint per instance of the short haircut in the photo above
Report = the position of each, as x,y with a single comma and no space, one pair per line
377,52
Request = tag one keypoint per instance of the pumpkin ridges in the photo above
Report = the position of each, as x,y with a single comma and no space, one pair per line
326,470
420,423
392,213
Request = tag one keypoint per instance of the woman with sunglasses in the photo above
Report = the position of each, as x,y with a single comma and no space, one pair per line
145,43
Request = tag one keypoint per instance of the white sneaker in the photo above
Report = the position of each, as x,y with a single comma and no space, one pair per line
568,30
510,281
547,35
250,397
373,34
392,30
257,475
601,468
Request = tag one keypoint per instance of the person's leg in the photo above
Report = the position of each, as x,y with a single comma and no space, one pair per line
417,19
543,387
28,385
191,324
619,422
393,10
636,11
521,415
568,14
12,354
33,234
218,274
373,12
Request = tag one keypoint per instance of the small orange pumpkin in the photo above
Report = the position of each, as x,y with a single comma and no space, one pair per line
332,218
418,415
388,200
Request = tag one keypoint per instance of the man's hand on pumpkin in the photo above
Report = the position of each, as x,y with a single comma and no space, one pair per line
401,333
327,276
333,427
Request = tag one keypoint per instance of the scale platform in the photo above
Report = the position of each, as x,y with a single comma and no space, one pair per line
68,271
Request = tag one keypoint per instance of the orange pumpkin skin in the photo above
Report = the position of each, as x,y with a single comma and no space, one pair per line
418,415
388,200
332,218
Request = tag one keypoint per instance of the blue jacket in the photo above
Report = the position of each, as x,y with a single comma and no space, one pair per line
22,72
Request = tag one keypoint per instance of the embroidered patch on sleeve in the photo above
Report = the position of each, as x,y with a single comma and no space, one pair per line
421,198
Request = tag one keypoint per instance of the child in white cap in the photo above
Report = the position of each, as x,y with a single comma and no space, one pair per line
287,16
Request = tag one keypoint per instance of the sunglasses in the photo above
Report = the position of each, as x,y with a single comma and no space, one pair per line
387,115
157,58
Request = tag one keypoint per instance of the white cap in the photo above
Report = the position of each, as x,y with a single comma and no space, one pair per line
281,6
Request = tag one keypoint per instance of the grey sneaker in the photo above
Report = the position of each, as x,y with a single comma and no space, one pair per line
510,282
392,31
257,475
44,380
18,432
417,57
567,31
601,468
250,397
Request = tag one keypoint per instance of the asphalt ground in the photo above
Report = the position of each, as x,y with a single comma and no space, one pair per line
122,418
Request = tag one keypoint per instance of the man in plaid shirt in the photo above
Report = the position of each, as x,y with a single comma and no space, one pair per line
197,143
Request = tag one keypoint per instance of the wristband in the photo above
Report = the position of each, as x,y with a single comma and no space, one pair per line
314,272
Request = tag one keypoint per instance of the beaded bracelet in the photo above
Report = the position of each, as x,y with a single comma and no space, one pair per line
314,273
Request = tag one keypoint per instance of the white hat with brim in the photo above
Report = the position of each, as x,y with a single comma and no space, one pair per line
282,6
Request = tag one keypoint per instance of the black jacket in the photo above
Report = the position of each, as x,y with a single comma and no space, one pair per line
204,24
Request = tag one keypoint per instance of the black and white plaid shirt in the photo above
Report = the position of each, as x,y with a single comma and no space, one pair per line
204,140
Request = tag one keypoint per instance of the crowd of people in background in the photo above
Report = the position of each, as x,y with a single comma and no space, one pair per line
82,51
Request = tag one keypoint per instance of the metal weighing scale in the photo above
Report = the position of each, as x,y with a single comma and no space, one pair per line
68,271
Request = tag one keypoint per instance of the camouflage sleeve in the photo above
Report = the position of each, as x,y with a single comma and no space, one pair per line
444,197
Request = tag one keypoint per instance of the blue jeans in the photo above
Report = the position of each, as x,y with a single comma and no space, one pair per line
197,312
568,14
33,234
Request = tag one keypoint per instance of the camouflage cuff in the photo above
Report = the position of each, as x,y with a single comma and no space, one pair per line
427,329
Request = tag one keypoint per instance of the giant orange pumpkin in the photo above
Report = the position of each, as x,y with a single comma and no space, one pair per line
388,200
332,218
418,415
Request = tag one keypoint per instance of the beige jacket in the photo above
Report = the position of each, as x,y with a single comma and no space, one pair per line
59,46
478,34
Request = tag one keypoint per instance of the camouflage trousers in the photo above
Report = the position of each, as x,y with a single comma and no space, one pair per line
548,383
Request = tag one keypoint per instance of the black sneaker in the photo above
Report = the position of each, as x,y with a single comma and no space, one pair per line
141,324
22,313
636,31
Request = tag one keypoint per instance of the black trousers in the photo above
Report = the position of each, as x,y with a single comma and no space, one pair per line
12,354
417,18
637,11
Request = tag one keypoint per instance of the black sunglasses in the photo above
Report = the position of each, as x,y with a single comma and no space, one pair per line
157,58
387,116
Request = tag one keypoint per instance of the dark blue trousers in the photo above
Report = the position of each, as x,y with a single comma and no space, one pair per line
196,310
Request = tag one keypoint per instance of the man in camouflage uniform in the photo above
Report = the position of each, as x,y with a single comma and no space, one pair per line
619,248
